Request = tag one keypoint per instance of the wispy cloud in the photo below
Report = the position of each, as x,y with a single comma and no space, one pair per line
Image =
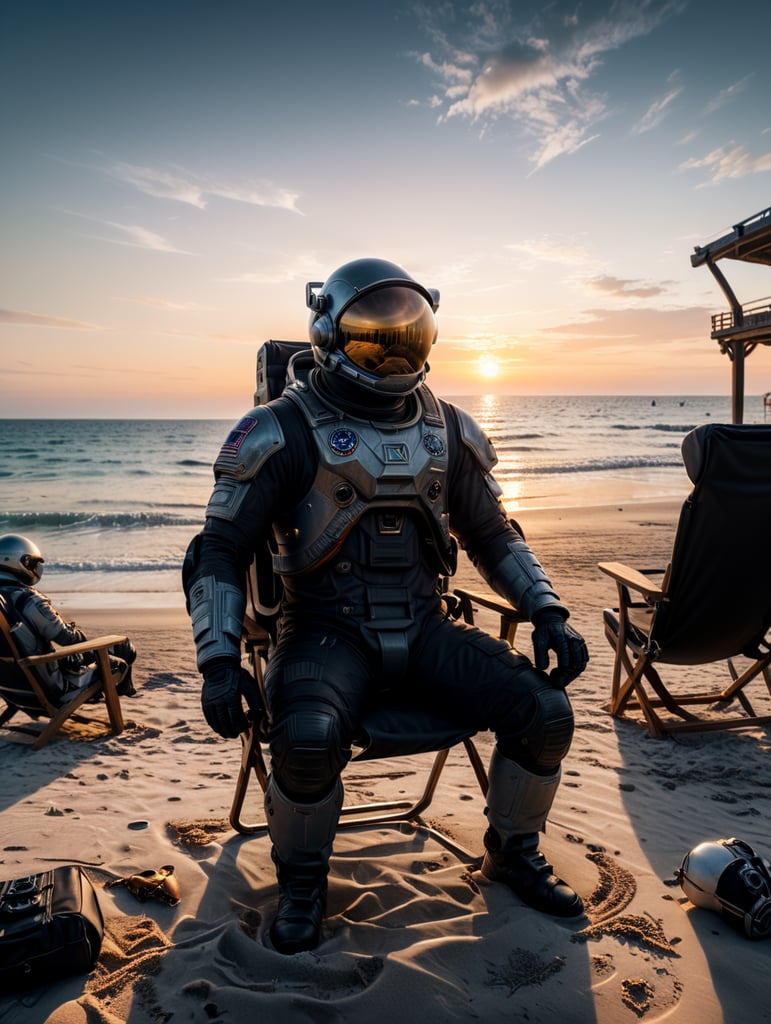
174,307
185,187
23,318
609,326
130,234
727,95
538,73
280,269
659,109
624,289
163,184
143,238
724,164
552,249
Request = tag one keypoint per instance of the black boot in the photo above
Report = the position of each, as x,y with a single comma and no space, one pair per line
301,907
520,865
125,687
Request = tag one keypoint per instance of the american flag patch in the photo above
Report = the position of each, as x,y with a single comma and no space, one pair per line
237,435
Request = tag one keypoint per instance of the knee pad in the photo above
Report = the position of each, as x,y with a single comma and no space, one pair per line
307,753
543,742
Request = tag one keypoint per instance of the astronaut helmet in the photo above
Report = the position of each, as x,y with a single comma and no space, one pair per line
727,875
374,324
20,558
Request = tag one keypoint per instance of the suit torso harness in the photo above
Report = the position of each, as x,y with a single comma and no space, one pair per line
365,467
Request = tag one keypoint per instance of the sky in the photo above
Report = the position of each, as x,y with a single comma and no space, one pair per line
173,173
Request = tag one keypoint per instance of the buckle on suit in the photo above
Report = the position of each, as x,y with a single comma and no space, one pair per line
390,524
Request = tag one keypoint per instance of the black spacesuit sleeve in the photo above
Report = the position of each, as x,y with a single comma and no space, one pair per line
218,558
492,540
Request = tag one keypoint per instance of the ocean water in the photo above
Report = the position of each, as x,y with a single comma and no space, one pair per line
113,503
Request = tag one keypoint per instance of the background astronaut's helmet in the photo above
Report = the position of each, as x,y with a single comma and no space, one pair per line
373,323
728,876
21,558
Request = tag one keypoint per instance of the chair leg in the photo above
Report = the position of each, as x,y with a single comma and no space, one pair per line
7,715
109,686
619,692
68,711
476,763
384,812
106,683
252,761
390,812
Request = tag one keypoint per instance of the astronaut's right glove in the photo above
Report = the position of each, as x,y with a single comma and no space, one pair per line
225,683
553,633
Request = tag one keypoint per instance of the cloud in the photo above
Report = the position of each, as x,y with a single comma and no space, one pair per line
184,187
619,288
23,318
159,183
727,95
724,164
538,73
658,110
648,325
551,249
450,71
143,238
176,307
279,269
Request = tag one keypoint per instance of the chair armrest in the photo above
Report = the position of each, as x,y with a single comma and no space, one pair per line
253,632
632,578
510,616
492,601
97,644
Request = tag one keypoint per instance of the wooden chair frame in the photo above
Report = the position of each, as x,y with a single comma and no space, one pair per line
257,643
634,664
105,682
712,603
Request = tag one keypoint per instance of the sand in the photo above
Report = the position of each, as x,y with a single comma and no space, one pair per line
414,933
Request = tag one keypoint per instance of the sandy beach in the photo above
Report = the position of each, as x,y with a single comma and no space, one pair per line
414,932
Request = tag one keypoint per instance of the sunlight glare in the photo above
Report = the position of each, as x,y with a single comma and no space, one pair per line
488,367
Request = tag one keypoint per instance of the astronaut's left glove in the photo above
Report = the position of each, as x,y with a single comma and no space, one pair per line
551,632
224,684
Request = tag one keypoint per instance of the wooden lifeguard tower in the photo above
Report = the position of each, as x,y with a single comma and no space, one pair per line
739,331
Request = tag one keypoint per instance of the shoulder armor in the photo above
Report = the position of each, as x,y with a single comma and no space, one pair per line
250,443
472,435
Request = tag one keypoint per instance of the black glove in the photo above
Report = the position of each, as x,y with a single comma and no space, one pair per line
224,684
553,633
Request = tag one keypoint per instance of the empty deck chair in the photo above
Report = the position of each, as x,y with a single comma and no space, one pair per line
713,601
22,689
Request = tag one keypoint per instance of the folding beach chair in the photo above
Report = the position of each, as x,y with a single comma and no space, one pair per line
388,730
713,601
22,688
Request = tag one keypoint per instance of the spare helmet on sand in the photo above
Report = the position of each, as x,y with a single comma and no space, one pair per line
727,875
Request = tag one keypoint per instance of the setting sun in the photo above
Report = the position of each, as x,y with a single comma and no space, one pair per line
488,367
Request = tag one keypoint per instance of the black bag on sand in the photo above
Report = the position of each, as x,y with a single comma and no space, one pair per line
51,926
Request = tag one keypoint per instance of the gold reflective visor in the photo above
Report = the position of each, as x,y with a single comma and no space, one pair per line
388,332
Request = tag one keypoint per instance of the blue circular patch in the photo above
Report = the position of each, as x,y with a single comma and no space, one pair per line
343,441
433,444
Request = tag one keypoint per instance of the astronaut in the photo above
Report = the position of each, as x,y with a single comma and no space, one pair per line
36,625
366,484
